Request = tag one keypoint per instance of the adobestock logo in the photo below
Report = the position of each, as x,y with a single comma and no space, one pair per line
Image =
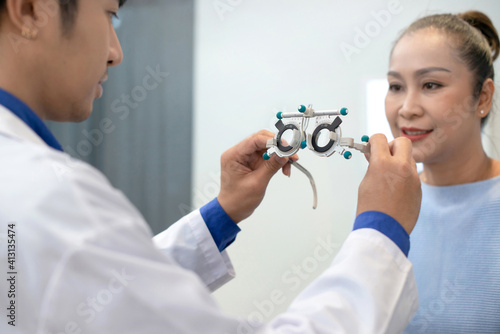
224,7
363,36
453,119
48,9
293,278
121,109
94,304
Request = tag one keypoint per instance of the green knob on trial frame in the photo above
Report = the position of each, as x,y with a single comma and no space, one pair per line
344,111
302,108
303,145
266,156
365,139
347,155
279,115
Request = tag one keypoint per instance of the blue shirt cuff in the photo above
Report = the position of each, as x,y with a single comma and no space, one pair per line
220,225
386,225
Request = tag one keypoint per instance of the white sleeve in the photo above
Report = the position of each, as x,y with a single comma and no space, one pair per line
369,288
191,245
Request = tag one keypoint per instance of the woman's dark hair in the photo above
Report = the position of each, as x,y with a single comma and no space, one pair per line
69,9
476,42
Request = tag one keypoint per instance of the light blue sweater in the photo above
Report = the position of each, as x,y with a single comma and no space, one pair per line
455,250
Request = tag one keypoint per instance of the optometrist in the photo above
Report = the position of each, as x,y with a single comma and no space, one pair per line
77,257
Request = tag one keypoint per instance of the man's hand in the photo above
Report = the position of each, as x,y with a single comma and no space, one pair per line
245,175
391,184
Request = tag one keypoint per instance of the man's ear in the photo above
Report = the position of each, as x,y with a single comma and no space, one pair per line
29,16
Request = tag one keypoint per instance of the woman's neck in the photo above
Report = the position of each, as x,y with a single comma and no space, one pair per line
462,169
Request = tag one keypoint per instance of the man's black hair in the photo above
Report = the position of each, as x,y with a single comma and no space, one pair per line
68,11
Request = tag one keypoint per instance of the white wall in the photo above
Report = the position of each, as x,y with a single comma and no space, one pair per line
254,58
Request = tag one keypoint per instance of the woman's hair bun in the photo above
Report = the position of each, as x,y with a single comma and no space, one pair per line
483,23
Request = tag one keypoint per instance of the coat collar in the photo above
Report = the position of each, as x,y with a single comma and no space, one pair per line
17,120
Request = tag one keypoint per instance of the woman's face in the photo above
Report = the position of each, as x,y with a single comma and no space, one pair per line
430,97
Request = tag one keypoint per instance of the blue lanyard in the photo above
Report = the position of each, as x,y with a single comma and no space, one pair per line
21,110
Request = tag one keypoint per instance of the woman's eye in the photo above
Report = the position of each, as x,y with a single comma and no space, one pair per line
394,87
431,85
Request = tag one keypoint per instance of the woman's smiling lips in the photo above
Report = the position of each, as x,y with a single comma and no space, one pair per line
415,134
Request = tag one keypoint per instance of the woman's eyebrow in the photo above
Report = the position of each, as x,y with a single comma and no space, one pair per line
420,72
394,74
431,69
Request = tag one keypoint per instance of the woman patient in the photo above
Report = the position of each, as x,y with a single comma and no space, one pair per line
441,88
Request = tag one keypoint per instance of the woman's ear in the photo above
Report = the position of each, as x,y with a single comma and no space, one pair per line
486,98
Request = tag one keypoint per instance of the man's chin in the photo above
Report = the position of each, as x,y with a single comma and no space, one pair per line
80,114
72,117
81,118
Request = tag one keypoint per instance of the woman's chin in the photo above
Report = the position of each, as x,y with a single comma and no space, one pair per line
419,155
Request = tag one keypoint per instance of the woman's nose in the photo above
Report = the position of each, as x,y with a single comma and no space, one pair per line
411,106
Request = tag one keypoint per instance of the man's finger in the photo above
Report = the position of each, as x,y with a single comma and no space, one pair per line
379,146
287,170
270,167
402,148
255,143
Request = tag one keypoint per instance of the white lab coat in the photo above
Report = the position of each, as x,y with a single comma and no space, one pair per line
85,261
